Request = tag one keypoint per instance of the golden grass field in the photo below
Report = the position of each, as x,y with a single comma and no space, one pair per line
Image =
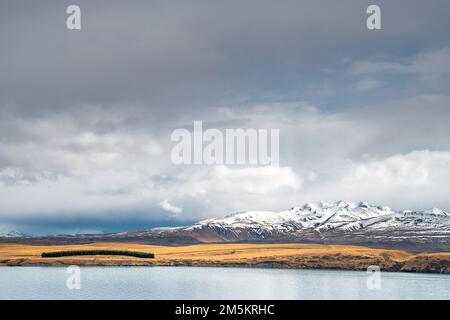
307,256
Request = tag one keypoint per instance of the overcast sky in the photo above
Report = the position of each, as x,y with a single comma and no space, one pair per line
86,116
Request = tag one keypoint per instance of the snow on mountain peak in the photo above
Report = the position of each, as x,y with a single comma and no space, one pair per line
342,215
345,204
11,234
437,212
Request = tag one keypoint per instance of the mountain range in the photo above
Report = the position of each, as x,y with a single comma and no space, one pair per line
11,234
340,222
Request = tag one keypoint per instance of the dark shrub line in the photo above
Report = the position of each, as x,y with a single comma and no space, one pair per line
97,252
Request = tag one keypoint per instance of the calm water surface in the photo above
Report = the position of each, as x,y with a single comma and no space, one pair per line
215,283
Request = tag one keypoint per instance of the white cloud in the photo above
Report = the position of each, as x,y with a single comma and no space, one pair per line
219,190
415,169
418,179
166,205
111,174
260,180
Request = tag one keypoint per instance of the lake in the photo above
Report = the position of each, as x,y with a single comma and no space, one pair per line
215,283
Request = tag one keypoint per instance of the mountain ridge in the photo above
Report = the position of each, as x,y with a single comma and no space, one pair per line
322,217
341,222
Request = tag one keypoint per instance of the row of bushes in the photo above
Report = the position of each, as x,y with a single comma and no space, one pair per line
136,254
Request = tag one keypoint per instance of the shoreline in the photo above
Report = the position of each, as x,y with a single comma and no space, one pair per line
279,256
238,266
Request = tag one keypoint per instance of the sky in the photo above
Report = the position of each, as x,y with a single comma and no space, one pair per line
86,115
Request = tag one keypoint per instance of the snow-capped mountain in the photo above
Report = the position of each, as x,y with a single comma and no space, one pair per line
323,217
339,222
11,234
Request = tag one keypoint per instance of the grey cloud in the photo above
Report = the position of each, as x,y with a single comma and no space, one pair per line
86,117
436,61
183,55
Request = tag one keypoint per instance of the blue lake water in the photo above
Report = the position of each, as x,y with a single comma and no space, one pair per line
215,283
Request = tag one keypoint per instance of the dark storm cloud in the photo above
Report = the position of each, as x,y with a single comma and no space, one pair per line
79,223
176,55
